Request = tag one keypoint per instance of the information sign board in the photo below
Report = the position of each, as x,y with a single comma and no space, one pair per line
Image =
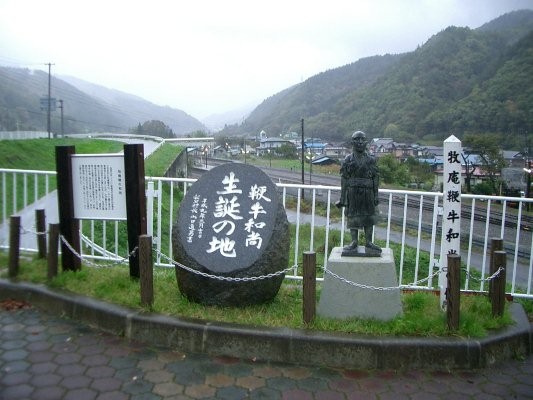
98,185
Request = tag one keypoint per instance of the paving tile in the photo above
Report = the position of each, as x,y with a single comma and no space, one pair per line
396,396
166,389
15,378
232,393
41,356
81,394
114,395
48,393
45,380
39,346
343,385
71,370
106,384
266,371
329,395
12,355
265,394
95,360
43,368
13,344
67,358
523,390
15,366
219,380
75,382
281,383
159,376
17,392
150,365
297,394
138,386
239,369
313,384
199,391
250,382
123,362
101,371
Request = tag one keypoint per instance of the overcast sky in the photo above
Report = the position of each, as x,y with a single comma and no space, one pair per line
213,56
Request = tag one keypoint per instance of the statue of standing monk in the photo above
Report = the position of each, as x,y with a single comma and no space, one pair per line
359,196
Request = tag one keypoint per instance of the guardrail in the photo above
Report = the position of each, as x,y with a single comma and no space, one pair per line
411,226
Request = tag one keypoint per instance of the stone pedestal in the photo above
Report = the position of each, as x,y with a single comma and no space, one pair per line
342,300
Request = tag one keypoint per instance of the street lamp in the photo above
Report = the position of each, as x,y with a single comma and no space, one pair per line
205,151
269,158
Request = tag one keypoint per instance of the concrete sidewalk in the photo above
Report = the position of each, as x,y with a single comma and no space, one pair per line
43,356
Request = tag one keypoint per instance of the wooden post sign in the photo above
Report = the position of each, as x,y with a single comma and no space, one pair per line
100,187
451,217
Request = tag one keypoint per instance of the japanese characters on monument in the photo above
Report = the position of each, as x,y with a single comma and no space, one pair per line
231,219
451,201
98,183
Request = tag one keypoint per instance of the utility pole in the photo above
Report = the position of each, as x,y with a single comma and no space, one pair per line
528,166
49,98
61,107
303,155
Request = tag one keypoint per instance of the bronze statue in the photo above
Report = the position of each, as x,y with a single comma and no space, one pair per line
359,196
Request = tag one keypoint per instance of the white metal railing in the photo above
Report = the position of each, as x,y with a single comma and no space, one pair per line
411,225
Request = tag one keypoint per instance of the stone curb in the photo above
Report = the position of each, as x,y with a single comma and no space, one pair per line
296,346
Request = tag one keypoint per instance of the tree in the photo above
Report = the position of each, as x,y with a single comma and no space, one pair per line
286,150
470,167
392,171
154,128
420,171
488,147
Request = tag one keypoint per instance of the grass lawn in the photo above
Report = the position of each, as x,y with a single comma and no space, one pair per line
421,317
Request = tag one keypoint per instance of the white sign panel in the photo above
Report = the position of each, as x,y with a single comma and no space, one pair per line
451,202
98,185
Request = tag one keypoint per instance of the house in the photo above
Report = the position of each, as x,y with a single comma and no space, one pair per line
336,151
381,146
515,159
325,160
271,144
478,176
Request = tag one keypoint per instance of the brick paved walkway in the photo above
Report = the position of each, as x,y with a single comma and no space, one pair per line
47,357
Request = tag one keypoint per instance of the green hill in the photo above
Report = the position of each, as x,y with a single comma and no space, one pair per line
460,81
87,107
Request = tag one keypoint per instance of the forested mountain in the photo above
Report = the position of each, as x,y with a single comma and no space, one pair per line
133,109
89,108
460,81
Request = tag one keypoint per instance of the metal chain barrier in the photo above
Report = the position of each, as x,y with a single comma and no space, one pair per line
489,278
25,231
93,264
225,278
381,288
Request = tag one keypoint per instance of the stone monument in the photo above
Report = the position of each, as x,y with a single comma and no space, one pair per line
231,224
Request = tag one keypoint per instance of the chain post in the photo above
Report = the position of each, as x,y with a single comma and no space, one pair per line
146,270
14,246
498,294
453,291
40,225
309,286
496,244
53,249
